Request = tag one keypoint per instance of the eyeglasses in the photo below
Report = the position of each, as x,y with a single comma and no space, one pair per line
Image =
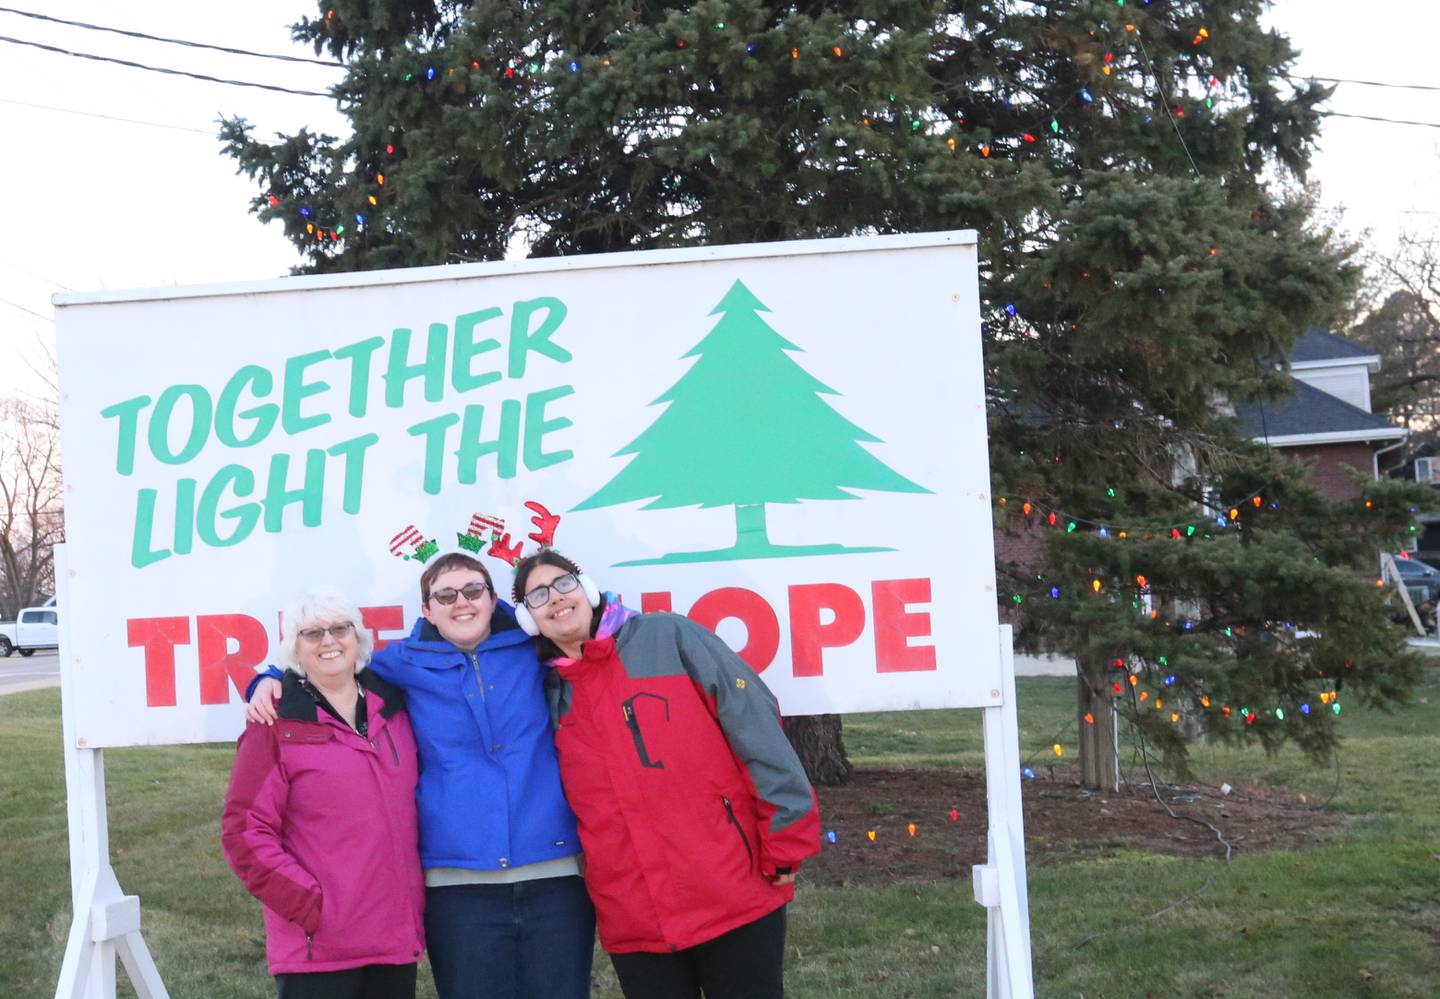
470,591
339,632
540,596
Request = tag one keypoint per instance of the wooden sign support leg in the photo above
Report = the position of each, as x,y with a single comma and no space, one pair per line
1388,562
1000,883
106,922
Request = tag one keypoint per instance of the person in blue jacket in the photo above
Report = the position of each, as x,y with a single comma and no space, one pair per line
506,912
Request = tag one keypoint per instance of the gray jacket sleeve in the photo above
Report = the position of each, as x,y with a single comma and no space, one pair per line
750,718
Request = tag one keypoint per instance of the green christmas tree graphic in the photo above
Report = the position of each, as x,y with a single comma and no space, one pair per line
747,426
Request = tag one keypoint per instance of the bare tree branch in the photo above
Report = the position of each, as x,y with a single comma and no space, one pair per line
31,503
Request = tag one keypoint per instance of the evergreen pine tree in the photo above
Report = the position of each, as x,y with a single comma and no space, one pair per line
1130,169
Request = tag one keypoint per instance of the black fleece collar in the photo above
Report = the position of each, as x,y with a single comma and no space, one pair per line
297,704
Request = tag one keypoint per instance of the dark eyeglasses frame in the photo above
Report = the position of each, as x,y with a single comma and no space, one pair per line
470,591
540,596
339,632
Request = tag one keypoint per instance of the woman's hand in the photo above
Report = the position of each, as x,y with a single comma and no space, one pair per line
261,708
784,879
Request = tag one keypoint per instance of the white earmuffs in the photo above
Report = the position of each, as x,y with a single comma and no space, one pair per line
526,621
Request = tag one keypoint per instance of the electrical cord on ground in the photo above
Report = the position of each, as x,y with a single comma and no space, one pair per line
1053,739
1155,789
1209,880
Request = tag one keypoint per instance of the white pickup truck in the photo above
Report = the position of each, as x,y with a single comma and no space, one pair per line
36,628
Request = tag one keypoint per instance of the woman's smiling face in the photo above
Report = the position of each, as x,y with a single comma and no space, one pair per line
564,618
465,623
327,650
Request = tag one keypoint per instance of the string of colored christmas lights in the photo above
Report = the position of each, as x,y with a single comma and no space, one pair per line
912,829
1162,669
1137,696
1055,517
516,69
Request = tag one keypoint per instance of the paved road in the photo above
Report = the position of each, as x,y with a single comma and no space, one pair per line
40,670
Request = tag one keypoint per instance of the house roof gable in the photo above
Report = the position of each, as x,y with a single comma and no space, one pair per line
1308,412
1322,345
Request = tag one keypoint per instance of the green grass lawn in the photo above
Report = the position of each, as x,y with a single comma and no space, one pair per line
1309,923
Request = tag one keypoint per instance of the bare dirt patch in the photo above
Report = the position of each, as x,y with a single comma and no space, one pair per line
1063,821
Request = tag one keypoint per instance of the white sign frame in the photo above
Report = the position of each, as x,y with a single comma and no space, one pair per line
106,922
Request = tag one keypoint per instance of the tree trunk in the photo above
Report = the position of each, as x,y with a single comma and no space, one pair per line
750,526
1099,761
819,743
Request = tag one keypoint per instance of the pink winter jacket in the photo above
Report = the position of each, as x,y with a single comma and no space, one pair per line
320,825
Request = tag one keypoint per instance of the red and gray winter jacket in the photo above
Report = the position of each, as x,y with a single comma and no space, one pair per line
689,797
319,824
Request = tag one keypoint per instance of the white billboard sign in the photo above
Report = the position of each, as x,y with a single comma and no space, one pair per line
785,441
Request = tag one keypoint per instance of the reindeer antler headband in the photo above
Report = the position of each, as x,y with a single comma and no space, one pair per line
410,544
501,546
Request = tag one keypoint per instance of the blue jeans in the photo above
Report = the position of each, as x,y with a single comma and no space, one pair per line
527,940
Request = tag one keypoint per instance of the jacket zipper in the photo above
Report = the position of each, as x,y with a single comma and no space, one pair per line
736,823
633,724
479,677
309,946
394,755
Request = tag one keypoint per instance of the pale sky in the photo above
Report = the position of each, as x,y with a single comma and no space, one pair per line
93,203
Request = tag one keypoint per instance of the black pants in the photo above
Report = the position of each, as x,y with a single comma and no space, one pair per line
374,981
742,964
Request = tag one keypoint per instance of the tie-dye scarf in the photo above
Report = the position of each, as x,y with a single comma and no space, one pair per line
616,614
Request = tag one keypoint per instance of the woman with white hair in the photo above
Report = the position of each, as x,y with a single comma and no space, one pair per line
320,821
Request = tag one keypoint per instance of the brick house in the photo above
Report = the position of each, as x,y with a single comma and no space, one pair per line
1326,420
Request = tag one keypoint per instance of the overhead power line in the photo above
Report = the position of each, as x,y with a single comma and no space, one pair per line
170,41
1370,83
16,305
162,69
1389,121
38,277
108,117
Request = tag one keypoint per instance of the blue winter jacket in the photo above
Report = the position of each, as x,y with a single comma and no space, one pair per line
489,794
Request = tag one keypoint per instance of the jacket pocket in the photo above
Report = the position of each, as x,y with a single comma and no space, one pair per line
632,722
304,733
739,830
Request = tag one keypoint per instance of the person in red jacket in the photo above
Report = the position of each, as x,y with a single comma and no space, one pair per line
694,811
320,821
